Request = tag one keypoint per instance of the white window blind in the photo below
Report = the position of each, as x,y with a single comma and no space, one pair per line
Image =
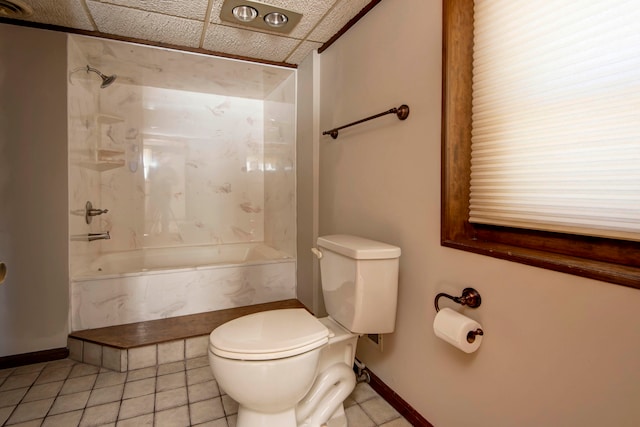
556,116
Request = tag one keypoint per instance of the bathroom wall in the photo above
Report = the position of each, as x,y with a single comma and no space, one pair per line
33,190
280,167
83,107
185,150
191,171
559,350
307,187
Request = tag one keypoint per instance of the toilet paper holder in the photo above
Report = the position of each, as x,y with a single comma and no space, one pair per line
471,298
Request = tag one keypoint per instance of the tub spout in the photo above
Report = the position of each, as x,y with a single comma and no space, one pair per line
98,236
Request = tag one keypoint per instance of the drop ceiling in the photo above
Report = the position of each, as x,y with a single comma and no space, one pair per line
196,24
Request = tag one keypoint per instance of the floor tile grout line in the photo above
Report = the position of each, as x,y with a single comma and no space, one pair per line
59,391
157,372
44,367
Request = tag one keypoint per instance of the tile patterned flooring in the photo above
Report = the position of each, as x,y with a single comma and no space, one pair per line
66,393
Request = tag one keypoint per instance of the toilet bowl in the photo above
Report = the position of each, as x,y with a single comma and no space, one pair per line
267,391
269,363
287,368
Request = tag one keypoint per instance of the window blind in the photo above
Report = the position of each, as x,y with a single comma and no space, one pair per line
556,116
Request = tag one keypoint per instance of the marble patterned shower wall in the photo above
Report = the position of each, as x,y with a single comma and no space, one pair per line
192,171
279,160
178,160
82,109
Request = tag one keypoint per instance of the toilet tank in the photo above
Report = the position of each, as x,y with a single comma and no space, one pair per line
360,282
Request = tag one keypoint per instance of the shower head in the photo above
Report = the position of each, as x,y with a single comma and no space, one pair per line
106,80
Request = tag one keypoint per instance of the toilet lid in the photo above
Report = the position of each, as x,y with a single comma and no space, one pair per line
269,335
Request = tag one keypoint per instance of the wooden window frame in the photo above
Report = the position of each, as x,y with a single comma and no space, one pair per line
610,260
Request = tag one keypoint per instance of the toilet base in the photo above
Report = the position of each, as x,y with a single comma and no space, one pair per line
338,419
250,418
247,417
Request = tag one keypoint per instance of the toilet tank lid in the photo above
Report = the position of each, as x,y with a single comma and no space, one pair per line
269,335
358,247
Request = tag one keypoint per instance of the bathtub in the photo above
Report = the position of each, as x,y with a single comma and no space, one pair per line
156,283
158,259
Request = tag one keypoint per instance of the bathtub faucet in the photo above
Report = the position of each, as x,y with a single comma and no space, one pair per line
98,236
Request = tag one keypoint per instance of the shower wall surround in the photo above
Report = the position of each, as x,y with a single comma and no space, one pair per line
183,150
84,182
190,170
279,165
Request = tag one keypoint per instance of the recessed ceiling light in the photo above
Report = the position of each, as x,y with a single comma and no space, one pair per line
14,9
259,16
276,19
245,13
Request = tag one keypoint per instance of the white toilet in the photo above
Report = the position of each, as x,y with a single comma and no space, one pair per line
286,368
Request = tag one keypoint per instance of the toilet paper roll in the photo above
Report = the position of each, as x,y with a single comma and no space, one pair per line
453,328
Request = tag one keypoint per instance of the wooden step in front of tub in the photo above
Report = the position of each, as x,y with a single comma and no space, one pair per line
141,334
146,344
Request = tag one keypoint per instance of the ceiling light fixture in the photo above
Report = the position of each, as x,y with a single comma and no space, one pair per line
245,13
259,16
276,19
14,9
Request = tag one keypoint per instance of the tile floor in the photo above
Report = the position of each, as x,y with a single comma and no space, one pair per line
66,393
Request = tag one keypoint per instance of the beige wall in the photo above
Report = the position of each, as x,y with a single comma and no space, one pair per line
34,300
306,187
307,182
559,350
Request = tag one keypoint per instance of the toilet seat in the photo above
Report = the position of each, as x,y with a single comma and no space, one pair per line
269,335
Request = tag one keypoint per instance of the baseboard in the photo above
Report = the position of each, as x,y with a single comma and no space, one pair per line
398,403
35,357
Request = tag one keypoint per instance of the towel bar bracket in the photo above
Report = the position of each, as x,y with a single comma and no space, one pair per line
403,112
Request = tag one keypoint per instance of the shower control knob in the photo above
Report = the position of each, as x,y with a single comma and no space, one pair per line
90,212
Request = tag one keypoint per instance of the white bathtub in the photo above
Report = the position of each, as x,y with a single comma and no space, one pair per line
149,284
158,259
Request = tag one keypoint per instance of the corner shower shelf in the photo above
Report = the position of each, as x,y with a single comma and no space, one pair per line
105,154
106,159
104,165
108,119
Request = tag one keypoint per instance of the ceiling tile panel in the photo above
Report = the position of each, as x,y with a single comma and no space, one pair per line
184,22
145,25
302,51
192,9
241,42
66,13
336,19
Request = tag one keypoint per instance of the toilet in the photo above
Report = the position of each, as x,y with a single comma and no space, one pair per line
287,368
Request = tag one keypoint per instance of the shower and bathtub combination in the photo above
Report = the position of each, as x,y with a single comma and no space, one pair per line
190,159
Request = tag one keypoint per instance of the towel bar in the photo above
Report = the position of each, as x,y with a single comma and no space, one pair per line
402,112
